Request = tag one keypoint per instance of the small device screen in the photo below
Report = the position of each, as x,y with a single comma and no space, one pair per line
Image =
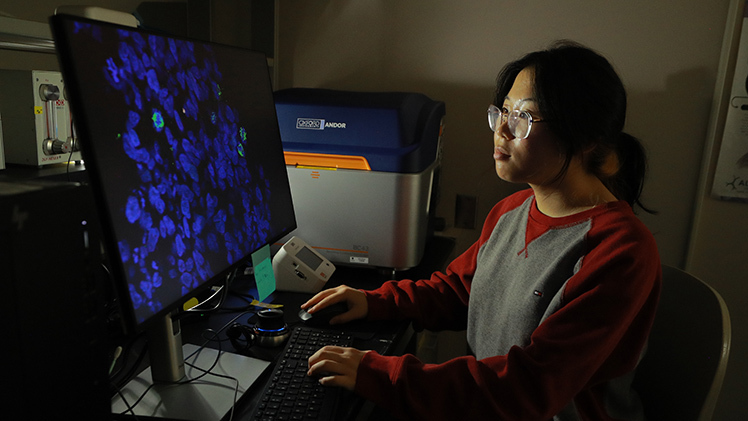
309,258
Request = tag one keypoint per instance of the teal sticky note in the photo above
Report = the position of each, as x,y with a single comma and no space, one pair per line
263,268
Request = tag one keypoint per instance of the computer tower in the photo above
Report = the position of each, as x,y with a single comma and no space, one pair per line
55,356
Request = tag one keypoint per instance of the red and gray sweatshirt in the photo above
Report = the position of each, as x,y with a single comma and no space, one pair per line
557,313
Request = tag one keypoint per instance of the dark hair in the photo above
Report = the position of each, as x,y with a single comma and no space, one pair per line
584,102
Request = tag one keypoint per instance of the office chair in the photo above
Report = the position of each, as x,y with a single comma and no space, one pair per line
681,374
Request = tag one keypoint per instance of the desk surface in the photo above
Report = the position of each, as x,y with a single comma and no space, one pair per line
387,338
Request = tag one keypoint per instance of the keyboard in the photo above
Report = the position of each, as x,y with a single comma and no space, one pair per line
292,395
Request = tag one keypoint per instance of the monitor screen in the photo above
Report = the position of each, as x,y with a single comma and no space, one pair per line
181,142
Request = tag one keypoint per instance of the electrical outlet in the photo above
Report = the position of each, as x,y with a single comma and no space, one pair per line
465,210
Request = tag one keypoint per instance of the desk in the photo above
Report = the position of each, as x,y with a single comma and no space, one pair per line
387,338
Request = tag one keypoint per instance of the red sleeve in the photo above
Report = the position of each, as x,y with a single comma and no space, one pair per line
597,335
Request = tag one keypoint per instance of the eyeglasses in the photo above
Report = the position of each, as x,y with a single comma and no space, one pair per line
518,121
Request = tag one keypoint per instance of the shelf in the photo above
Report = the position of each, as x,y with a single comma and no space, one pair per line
24,35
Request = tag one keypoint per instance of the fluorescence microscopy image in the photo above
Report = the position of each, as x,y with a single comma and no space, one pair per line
187,154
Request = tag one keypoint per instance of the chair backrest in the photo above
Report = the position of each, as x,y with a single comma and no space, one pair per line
681,373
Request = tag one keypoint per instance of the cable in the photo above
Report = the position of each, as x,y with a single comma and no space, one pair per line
208,371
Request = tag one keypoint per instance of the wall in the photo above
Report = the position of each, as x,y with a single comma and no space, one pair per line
667,53
720,230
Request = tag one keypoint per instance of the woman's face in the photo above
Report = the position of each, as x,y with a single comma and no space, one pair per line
536,160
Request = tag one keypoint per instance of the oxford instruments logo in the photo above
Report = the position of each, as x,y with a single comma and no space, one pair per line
317,124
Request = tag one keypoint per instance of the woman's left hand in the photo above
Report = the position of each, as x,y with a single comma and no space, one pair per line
336,366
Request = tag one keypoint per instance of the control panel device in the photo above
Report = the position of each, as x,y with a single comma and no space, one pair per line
37,124
300,268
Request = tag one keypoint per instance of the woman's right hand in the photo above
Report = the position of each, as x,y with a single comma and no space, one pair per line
358,307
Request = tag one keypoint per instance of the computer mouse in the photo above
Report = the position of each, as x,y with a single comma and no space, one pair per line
322,317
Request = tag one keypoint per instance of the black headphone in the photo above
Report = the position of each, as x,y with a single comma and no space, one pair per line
270,331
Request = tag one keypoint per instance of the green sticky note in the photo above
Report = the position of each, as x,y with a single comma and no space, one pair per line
264,277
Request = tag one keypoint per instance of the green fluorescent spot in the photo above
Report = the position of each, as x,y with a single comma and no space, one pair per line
158,121
240,150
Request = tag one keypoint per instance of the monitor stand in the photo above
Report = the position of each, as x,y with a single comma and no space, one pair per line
209,398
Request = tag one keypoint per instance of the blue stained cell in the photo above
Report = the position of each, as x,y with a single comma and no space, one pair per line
157,280
158,120
145,61
188,281
190,108
145,221
137,299
155,306
186,228
81,27
173,48
112,71
152,239
154,197
213,118
168,102
133,119
198,224
147,289
138,40
124,251
181,266
132,209
131,138
212,203
188,167
185,207
166,227
154,265
213,242
170,138
178,120
145,175
138,101
179,245
157,158
199,258
219,221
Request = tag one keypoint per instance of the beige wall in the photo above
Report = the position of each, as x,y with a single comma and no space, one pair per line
667,52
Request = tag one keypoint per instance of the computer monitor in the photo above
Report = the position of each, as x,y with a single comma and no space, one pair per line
181,142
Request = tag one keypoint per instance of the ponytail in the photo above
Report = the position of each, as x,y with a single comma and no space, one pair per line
628,181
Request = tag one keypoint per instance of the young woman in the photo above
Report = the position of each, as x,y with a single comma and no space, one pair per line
558,294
